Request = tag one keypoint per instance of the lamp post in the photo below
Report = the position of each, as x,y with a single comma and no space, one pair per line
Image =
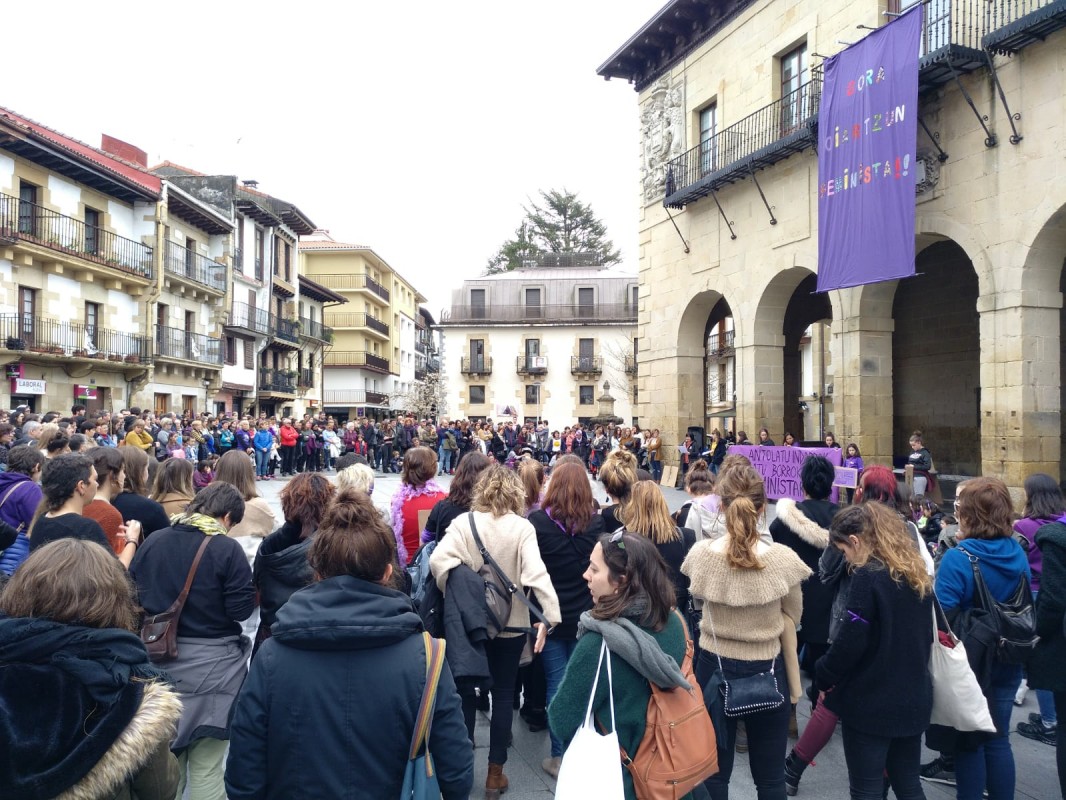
207,399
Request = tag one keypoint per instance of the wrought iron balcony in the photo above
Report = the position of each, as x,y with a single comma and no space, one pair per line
631,365
771,134
356,358
420,347
531,365
314,329
306,378
586,365
277,381
184,263
420,374
29,222
287,330
1015,24
41,336
476,366
377,398
187,346
351,283
358,319
242,315
573,313
720,345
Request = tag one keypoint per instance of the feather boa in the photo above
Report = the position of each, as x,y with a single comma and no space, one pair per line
407,492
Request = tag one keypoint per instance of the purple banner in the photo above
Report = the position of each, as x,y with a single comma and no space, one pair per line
780,466
867,130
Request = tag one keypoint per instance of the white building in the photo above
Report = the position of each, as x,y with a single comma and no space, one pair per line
541,342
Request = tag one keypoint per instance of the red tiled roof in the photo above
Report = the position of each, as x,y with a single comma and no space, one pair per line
125,170
319,245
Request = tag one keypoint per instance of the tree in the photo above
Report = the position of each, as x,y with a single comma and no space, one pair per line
560,224
425,398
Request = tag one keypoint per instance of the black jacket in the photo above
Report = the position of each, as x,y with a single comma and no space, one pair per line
145,510
804,527
280,569
466,625
1045,668
442,515
566,558
330,702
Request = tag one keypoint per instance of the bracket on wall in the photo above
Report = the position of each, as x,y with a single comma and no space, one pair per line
671,216
1015,137
725,219
990,138
935,139
769,208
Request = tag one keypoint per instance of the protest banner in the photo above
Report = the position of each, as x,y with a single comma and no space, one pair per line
780,466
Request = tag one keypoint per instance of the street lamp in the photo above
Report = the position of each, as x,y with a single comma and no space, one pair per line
207,399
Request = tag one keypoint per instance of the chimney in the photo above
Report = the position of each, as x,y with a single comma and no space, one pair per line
123,150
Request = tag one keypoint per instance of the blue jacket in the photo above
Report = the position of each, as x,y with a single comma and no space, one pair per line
241,439
346,657
1001,562
21,500
263,440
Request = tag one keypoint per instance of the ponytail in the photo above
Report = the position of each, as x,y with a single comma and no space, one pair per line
741,521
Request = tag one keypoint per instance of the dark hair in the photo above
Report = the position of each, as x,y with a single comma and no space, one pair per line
353,539
461,491
985,509
61,475
853,446
634,563
347,460
235,468
699,480
136,461
569,499
24,459
58,442
1043,497
217,500
817,476
419,466
174,476
109,463
305,499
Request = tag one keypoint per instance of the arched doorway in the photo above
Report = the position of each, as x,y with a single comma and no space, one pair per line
702,315
719,370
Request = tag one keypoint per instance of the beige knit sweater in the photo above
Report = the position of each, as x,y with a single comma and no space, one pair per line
512,542
745,605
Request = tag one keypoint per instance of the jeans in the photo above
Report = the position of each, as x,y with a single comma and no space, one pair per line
200,765
262,459
657,470
767,732
444,460
991,766
870,757
556,655
503,656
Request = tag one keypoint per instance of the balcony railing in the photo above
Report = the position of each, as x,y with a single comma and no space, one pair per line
531,365
586,365
631,365
242,315
188,346
184,263
349,283
1017,23
420,374
276,380
286,329
719,345
356,358
30,222
315,329
50,337
358,319
771,134
353,397
420,347
576,313
306,378
479,365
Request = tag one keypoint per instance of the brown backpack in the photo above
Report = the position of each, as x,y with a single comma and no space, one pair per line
679,748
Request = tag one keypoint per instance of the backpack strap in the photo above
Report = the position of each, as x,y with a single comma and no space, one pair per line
510,585
424,719
9,493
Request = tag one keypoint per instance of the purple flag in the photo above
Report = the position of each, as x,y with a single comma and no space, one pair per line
867,131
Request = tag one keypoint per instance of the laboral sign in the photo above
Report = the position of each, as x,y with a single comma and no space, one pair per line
867,131
27,386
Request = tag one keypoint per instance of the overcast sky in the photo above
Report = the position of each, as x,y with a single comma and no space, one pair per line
416,128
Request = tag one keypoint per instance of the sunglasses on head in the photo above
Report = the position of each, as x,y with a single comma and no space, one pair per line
618,540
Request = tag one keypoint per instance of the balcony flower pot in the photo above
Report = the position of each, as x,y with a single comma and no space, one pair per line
133,359
114,357
81,354
99,355
55,350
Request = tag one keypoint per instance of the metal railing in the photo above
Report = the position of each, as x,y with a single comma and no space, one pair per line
287,329
306,378
531,365
242,315
188,346
315,329
358,319
420,374
479,365
420,347
43,336
277,380
356,358
570,312
34,223
184,263
378,398
720,344
630,365
353,397
1013,24
586,365
352,283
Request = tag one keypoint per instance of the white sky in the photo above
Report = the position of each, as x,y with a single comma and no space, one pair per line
417,128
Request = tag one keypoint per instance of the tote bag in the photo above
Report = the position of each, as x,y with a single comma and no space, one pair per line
420,776
591,766
957,698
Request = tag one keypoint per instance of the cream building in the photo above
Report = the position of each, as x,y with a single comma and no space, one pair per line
542,341
969,351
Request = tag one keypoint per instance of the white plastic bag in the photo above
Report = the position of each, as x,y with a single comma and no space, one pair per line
957,698
592,764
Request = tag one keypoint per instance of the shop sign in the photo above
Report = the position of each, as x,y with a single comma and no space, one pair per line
13,370
85,392
27,386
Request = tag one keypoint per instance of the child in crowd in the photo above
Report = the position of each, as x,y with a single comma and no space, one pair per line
930,522
174,448
396,464
205,473
852,460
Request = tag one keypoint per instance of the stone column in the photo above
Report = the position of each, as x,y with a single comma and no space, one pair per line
760,385
862,385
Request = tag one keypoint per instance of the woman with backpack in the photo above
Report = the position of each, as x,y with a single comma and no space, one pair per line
497,518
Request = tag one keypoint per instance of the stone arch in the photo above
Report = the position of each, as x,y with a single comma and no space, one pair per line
691,358
932,228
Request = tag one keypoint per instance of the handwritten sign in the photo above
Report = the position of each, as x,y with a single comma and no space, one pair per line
846,477
780,466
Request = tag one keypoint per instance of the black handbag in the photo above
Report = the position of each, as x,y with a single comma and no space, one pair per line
1013,620
746,695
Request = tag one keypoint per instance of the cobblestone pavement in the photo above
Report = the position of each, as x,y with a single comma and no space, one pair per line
827,780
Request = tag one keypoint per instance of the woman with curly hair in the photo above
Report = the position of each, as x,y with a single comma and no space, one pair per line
418,492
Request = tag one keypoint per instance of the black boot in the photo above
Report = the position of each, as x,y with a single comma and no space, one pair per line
794,766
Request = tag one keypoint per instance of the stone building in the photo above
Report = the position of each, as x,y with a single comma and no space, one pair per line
969,350
540,341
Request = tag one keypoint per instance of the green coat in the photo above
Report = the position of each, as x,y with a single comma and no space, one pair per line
631,692
1045,668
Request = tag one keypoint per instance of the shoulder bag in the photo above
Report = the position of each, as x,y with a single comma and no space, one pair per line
747,695
1014,620
420,776
500,592
957,698
160,631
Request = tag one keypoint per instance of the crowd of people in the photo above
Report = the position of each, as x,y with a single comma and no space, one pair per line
96,537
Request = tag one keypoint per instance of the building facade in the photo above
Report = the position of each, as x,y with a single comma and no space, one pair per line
970,350
541,342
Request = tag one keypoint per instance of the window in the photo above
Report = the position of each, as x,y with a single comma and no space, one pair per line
533,395
532,359
238,257
708,127
477,303
477,355
190,257
634,293
586,349
477,395
93,317
192,350
28,211
795,101
533,303
92,231
249,354
586,302
585,395
259,254
27,315
231,350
